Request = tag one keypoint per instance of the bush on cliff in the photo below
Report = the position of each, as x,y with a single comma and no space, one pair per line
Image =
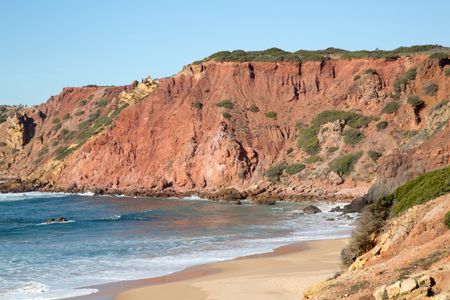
271,115
294,168
225,104
352,136
344,164
382,125
417,191
390,107
308,140
415,101
275,171
254,108
430,88
447,219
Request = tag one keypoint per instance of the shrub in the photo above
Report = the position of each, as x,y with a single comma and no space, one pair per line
308,136
430,88
294,168
447,219
308,140
271,115
67,117
370,223
225,104
197,105
289,150
439,55
374,155
254,108
101,103
382,125
43,151
370,72
79,113
390,107
357,77
332,149
226,115
421,189
83,102
440,105
313,159
62,152
57,127
411,74
56,120
275,171
94,116
344,164
415,101
352,136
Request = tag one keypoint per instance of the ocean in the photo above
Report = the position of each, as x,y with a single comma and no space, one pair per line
114,238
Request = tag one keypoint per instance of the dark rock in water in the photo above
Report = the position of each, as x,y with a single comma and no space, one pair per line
58,220
356,205
228,195
329,219
266,199
238,202
311,209
337,209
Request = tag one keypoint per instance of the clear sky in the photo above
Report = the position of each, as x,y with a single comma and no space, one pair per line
46,45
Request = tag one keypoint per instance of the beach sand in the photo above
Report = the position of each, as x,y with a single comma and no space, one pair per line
282,274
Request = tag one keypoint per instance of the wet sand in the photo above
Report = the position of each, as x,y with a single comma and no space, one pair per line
281,274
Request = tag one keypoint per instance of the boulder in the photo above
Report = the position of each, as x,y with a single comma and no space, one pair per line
393,290
356,205
311,209
407,286
334,178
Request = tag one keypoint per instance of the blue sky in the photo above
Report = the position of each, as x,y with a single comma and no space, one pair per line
49,44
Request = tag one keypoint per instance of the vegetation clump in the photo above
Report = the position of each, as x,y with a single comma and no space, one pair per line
415,101
67,117
447,72
332,149
79,113
370,72
225,104
356,78
226,115
294,168
276,54
83,102
253,108
344,164
352,136
62,152
275,171
308,140
400,84
271,115
430,88
417,191
197,105
313,159
101,103
382,125
374,155
390,107
447,219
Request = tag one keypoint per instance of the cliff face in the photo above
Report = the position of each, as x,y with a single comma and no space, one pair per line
218,125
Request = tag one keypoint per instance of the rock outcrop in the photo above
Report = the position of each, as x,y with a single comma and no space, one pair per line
411,260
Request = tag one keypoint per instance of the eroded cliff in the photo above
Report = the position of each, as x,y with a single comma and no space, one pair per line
256,127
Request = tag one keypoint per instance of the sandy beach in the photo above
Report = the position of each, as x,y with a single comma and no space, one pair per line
282,274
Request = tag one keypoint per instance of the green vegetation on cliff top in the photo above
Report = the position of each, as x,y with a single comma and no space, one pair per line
276,54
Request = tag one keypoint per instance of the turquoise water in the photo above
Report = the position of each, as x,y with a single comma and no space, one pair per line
109,239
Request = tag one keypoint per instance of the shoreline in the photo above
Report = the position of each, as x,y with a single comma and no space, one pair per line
282,273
